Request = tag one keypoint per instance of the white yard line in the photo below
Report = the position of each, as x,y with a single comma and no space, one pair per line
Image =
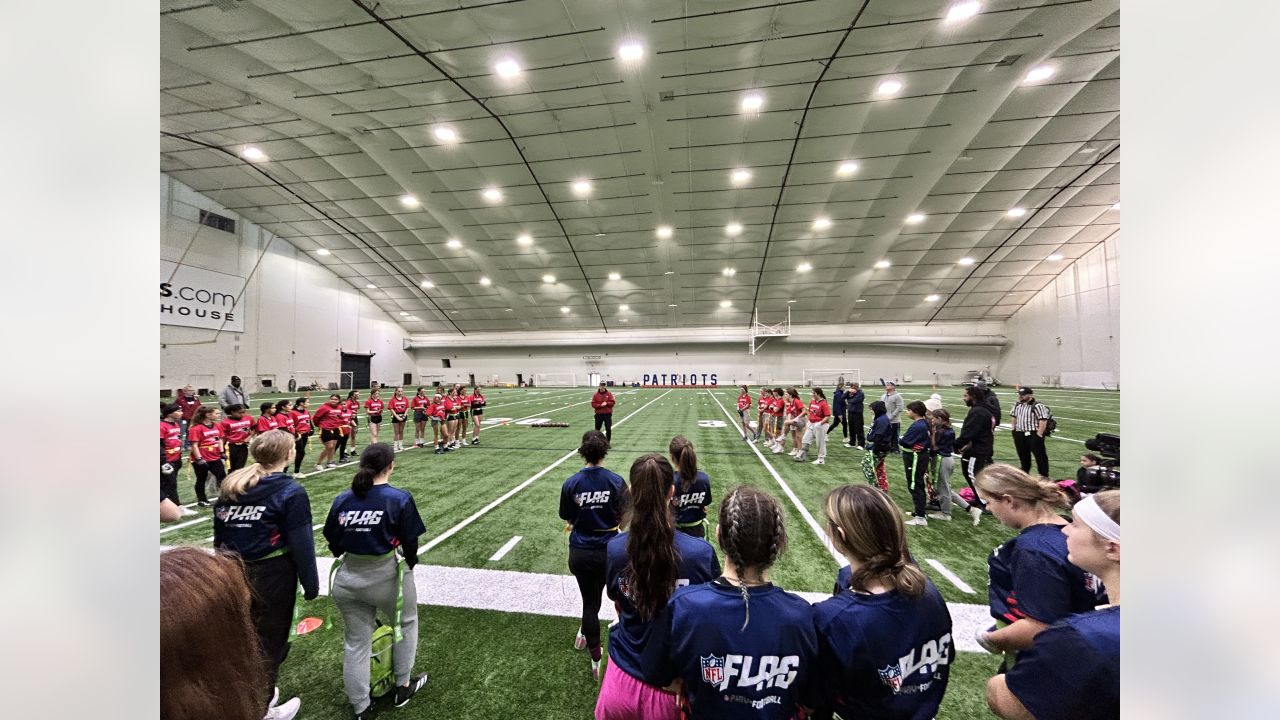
955,579
786,489
1091,422
507,495
502,551
1055,436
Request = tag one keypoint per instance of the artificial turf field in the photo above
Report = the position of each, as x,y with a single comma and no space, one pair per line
492,663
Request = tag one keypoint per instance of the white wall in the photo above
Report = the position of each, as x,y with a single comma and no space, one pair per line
299,316
1071,329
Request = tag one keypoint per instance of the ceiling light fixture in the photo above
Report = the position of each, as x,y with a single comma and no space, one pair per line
881,265
581,187
1017,212
508,310
1038,73
915,218
752,102
485,281
859,300
847,168
548,279
404,314
428,284
1054,257
1116,206
726,304
804,267
790,301
454,243
409,201
624,308
445,134
669,272
1087,149
932,298
889,88
253,154
492,194
733,229
664,231
630,51
524,240
729,272
963,11
507,68
371,286
821,223
321,251
966,261
615,276
564,309
671,305
740,176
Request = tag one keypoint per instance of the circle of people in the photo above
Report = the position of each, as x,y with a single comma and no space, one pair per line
693,638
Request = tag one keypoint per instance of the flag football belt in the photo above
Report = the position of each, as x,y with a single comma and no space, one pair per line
695,523
400,566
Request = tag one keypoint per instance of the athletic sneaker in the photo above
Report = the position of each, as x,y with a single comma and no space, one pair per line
917,521
405,693
275,698
819,461
438,451
475,441
777,450
333,464
945,517
595,670
319,468
849,445
284,711
976,513
580,642
206,503
300,476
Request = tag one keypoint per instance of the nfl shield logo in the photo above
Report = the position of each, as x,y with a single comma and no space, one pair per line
712,669
890,675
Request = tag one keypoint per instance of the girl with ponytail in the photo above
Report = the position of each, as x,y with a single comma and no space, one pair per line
1032,584
373,530
265,516
716,635
890,610
693,488
643,567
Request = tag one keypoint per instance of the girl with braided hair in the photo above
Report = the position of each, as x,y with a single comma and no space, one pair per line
888,612
741,646
643,567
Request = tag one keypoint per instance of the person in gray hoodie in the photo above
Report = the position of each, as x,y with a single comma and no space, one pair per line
893,406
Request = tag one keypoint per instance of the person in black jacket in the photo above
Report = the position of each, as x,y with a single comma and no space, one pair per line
838,408
265,516
854,398
990,400
976,441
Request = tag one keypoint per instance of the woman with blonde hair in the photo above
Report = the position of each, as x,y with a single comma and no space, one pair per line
264,516
889,611
1032,584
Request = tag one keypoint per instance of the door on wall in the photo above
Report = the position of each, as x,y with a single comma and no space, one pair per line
472,377
358,365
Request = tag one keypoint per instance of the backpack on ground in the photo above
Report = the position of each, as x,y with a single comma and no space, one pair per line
1051,423
382,677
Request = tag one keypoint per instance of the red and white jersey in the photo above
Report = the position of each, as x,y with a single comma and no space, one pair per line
374,406
328,417
353,406
448,404
301,421
477,401
171,441
464,402
284,421
236,430
436,410
819,411
206,442
797,407
775,405
266,423
744,402
399,405
420,402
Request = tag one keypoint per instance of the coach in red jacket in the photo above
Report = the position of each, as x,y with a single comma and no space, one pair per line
603,402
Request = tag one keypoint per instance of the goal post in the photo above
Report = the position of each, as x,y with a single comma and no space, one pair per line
555,380
829,378
319,380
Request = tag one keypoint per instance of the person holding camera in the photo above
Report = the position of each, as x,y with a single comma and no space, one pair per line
1030,427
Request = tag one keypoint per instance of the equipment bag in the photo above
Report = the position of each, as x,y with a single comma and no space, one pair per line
382,677
1050,424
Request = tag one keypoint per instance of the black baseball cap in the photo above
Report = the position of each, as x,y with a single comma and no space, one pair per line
1024,390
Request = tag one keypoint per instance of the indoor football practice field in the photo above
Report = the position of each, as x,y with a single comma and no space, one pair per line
498,628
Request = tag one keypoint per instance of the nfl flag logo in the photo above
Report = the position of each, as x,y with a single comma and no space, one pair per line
712,669
890,675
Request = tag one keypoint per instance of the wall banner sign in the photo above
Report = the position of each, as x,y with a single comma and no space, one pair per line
195,297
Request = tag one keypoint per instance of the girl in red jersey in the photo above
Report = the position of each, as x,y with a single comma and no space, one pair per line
302,431
399,407
284,417
761,417
205,438
171,452
779,406
419,404
373,406
464,414
450,417
328,418
350,416
744,412
477,412
438,426
816,431
796,419
236,428
266,421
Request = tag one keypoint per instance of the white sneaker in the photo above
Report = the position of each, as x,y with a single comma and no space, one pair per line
188,511
917,521
275,698
777,450
284,711
319,468
580,642
945,517
819,461
976,513
848,445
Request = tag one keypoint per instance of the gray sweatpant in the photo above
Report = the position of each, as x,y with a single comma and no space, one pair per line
946,465
362,586
816,434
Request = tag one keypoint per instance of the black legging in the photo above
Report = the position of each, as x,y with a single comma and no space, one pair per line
239,455
605,419
300,451
839,422
857,433
588,568
915,465
341,448
274,582
971,465
169,481
203,471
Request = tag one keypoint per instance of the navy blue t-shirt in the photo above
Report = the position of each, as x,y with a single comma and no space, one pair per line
916,438
698,564
383,520
844,579
1072,671
1030,577
946,439
881,436
592,500
883,656
761,672
691,504
273,514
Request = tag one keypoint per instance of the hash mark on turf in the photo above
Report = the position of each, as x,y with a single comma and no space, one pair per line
955,579
502,551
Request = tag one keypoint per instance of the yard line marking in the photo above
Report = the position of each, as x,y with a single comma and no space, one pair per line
502,551
1055,436
181,525
507,495
955,579
1091,422
813,524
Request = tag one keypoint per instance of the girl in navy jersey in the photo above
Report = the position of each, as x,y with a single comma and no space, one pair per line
879,444
744,413
205,440
884,642
264,515
693,488
942,439
419,405
477,412
373,530
171,452
328,418
591,503
373,406
915,459
742,647
399,408
303,430
1032,584
266,421
644,566
1072,670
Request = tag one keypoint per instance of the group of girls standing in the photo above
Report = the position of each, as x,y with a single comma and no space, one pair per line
263,516
448,413
781,415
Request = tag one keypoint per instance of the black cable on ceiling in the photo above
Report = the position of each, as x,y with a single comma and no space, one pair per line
520,151
411,283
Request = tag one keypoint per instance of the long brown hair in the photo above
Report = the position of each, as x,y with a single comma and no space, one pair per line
269,448
752,535
681,451
1001,479
866,526
653,564
210,661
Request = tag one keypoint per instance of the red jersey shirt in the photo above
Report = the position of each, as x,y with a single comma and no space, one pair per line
206,442
328,417
744,402
266,423
374,406
353,406
797,407
436,410
420,402
448,404
399,405
236,431
603,403
819,410
171,441
477,401
775,405
301,421
284,421
464,402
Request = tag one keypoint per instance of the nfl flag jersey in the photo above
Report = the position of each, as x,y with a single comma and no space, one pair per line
376,524
271,516
592,501
1072,670
1030,577
691,505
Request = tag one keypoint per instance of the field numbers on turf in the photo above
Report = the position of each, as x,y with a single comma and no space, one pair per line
712,423
533,421
495,421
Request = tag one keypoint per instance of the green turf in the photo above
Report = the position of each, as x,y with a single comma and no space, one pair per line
489,664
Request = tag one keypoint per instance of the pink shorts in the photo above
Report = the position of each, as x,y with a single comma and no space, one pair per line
623,697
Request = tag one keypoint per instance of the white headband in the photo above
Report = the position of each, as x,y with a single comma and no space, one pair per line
1090,514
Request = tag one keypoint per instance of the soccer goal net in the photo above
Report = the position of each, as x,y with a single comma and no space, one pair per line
314,380
555,380
829,378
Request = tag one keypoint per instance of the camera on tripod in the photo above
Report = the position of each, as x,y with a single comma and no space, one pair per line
1105,475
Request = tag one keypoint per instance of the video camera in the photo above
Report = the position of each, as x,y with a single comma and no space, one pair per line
1106,475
